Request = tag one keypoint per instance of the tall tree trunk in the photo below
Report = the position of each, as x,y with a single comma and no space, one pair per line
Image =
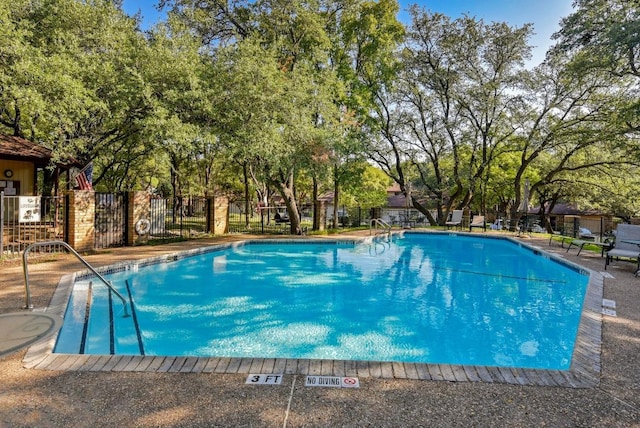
247,206
316,214
421,208
286,187
336,196
175,186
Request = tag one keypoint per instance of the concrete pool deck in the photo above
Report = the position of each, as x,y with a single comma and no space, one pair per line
169,397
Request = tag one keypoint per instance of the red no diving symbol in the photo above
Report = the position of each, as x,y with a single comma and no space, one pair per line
349,381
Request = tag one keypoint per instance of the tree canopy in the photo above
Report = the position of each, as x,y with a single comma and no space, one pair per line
298,98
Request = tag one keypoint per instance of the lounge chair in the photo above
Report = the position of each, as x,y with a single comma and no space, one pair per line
478,221
456,219
627,245
605,245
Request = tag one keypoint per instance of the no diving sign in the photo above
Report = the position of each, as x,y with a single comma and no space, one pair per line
324,381
332,381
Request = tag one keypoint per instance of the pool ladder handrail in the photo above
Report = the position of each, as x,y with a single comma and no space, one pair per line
29,305
379,222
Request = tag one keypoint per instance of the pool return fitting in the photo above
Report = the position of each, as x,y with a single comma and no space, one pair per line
29,305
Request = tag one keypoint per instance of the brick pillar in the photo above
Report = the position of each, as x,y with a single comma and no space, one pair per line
81,218
138,207
218,215
466,219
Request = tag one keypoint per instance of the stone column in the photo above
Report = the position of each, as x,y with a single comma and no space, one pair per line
218,215
81,217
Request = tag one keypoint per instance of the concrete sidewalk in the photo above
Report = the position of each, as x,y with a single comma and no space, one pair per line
31,397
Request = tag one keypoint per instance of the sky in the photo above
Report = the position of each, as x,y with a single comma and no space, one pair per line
544,14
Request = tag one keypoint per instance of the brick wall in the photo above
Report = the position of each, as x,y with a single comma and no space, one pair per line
82,212
81,219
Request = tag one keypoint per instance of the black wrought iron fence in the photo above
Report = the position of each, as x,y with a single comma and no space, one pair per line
110,220
275,220
594,227
178,217
28,219
348,217
257,219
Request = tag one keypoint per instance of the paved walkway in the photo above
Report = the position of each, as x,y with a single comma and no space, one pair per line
20,329
170,397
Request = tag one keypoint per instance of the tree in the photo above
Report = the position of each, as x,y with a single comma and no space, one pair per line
294,113
365,37
183,90
215,21
452,105
369,191
73,80
568,130
603,34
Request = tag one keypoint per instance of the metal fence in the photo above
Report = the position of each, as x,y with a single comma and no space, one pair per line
274,219
575,226
350,217
257,219
178,217
110,220
28,219
174,218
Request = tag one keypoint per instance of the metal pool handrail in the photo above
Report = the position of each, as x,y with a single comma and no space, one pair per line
379,222
25,268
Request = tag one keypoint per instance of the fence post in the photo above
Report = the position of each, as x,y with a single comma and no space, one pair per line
81,219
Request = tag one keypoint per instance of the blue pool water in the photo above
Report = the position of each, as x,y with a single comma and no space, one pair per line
429,298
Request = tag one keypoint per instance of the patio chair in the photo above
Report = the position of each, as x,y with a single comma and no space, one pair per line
456,219
478,221
627,245
605,245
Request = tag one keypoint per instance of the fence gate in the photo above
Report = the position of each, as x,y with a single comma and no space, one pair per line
25,220
111,220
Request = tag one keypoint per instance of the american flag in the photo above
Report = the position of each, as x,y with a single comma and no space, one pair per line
82,179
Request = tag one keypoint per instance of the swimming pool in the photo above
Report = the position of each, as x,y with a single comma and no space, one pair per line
421,298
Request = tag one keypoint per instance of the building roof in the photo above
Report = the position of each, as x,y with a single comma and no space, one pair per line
397,201
394,188
16,148
567,209
328,197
